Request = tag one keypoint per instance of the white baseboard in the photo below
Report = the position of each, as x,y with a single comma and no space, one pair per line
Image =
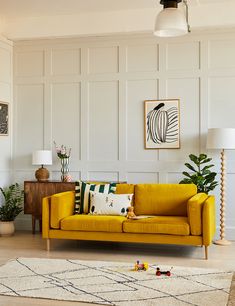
24,223
229,233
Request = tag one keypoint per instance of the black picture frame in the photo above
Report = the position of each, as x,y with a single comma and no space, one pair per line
4,119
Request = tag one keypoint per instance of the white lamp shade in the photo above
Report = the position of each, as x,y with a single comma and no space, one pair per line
170,22
42,157
221,138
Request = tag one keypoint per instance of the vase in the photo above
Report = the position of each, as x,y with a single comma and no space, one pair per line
7,228
64,168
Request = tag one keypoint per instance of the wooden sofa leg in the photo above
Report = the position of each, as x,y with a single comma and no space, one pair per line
48,244
206,252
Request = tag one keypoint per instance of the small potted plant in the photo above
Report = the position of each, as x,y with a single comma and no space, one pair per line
10,209
200,175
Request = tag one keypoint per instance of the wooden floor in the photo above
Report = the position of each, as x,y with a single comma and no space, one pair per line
24,244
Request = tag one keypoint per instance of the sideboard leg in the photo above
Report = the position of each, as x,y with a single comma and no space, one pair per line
40,225
33,224
206,252
48,244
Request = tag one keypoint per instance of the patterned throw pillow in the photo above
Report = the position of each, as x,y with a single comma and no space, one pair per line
82,196
110,204
77,206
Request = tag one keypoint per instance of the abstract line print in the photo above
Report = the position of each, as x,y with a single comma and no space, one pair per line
162,124
3,118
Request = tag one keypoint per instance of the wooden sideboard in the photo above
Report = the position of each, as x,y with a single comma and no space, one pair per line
34,191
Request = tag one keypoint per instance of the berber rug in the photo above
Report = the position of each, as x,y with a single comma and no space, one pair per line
114,283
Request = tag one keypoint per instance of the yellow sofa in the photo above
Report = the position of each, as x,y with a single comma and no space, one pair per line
180,216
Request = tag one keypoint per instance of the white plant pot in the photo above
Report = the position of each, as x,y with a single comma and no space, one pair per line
7,228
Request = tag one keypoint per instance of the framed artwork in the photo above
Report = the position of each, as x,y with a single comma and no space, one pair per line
161,124
3,119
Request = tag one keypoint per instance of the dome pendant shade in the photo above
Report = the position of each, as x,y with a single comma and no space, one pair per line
170,22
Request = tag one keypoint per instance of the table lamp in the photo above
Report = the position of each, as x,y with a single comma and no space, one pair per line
42,157
221,138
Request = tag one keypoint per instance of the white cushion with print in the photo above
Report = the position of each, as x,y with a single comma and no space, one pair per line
109,204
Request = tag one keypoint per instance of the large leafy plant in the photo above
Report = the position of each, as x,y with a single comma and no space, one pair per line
200,174
13,200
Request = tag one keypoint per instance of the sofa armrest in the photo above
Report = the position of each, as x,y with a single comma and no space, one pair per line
194,209
45,217
62,205
208,220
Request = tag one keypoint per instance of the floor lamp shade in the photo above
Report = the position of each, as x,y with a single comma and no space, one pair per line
221,138
42,157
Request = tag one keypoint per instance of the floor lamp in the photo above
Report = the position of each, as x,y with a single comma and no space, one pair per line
221,138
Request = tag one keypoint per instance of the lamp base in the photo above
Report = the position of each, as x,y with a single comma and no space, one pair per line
42,174
222,242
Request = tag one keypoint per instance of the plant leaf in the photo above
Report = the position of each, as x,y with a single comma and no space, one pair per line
190,167
186,174
186,181
194,158
202,156
207,160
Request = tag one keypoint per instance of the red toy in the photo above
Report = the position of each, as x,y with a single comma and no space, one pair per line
159,272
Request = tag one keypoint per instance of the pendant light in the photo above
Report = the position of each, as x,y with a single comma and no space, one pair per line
172,21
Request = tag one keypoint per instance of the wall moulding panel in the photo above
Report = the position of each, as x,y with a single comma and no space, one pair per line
65,61
146,177
6,87
88,93
103,176
175,56
65,118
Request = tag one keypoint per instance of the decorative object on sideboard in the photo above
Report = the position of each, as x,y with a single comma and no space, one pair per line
42,157
221,138
201,174
10,209
172,21
161,120
64,154
3,118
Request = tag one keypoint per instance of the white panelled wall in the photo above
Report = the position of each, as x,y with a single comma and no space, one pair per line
6,51
89,94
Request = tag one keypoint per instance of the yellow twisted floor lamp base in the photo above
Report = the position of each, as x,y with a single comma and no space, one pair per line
222,240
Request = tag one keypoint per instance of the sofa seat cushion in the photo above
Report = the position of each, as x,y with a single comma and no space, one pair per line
172,225
90,223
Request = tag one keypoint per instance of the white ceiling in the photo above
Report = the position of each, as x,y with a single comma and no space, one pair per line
20,8
36,8
31,19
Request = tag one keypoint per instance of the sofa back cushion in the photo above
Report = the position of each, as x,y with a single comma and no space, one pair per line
124,188
163,199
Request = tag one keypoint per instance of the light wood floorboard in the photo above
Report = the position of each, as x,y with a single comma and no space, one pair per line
24,244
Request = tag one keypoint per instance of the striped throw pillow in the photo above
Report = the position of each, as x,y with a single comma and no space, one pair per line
85,189
77,205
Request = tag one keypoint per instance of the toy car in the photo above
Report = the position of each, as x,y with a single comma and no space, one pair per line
159,272
141,266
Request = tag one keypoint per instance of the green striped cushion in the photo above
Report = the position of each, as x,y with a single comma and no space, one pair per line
82,190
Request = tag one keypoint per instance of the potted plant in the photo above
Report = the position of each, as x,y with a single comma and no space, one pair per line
11,207
201,174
